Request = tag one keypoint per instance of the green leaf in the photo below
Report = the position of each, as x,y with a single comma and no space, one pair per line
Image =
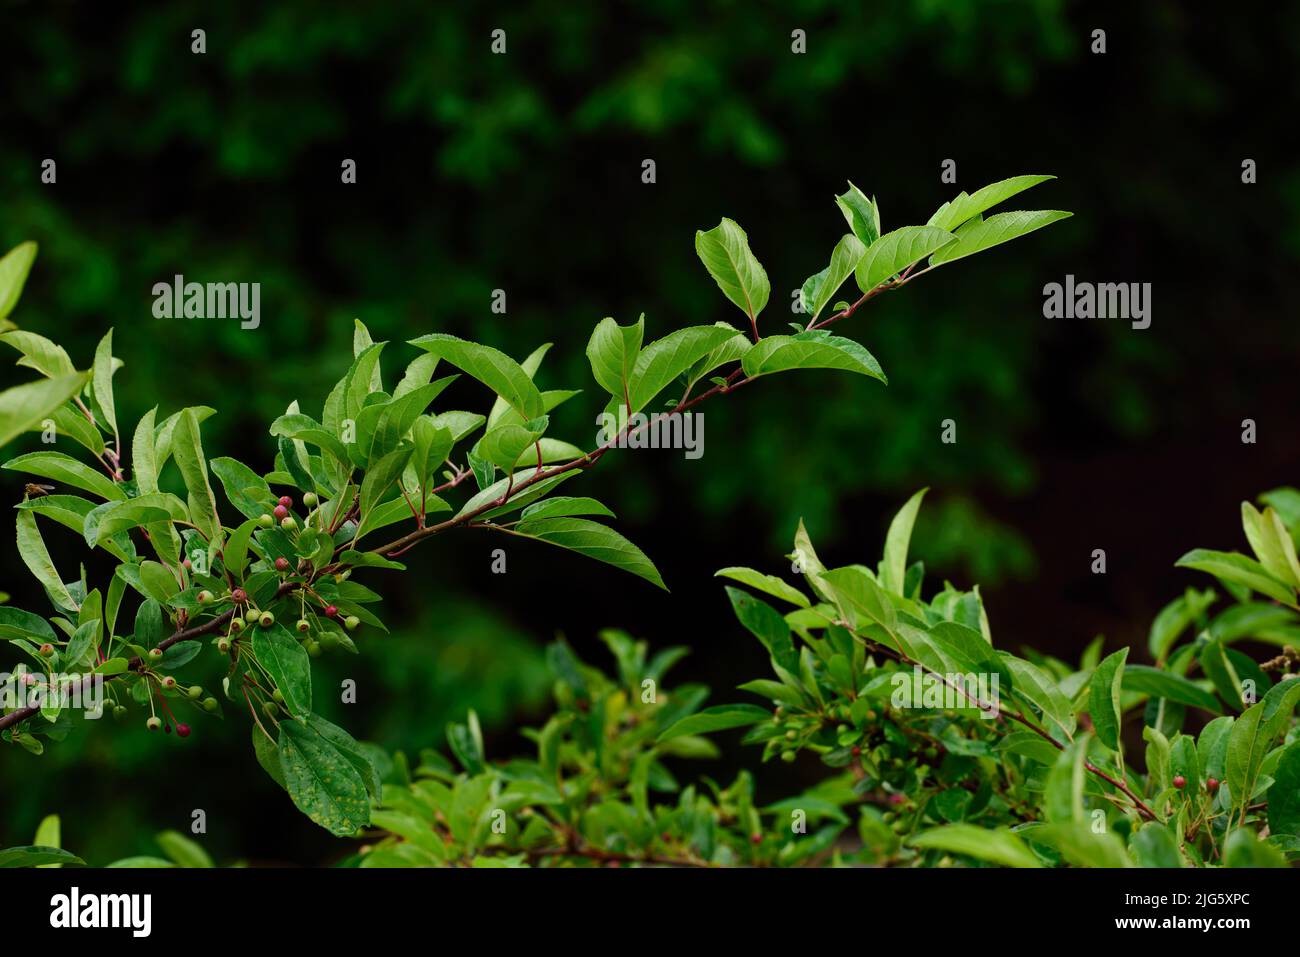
861,213
768,584
767,625
612,351
101,383
893,567
1174,619
724,250
1271,543
563,506
1155,846
1244,849
379,479
978,236
1165,684
182,850
1212,746
494,492
187,447
235,552
244,488
894,252
39,353
994,845
144,453
288,664
49,834
322,782
1235,567
267,753
1036,686
64,468
718,718
503,445
500,373
1284,793
1247,745
815,349
16,623
466,741
351,750
27,405
304,428
593,540
14,267
953,214
1104,698
31,547
34,856
819,289
665,359
107,520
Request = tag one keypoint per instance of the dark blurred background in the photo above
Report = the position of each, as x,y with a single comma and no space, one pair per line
522,172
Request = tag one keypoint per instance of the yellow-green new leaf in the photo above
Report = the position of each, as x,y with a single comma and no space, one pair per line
27,405
977,236
894,252
187,447
14,267
725,252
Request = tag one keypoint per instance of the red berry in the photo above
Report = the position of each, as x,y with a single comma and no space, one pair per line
282,564
897,799
183,730
286,501
1180,782
281,511
187,565
855,751
756,838
1212,784
239,595
331,611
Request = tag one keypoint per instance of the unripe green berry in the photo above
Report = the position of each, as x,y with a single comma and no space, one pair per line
303,625
204,597
269,709
277,697
168,682
351,622
791,734
288,522
223,645
237,625
309,499
210,704
118,711
788,757
47,650
265,520
313,649
155,654
194,693
266,619
154,723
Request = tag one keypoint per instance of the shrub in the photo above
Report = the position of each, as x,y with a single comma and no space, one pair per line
941,748
275,588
